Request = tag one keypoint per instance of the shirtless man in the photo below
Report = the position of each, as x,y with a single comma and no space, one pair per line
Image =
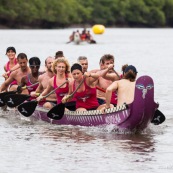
83,61
17,74
103,83
43,82
125,87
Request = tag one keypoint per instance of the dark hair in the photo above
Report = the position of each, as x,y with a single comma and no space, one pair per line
59,54
22,56
124,67
34,61
130,73
76,66
11,48
106,57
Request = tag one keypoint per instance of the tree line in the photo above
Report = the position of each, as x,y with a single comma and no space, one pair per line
66,13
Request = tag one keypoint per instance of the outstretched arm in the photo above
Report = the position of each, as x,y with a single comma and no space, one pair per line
5,85
92,77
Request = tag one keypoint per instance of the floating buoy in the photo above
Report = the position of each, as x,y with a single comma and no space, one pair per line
98,29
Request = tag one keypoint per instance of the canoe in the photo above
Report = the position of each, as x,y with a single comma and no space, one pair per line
77,40
134,116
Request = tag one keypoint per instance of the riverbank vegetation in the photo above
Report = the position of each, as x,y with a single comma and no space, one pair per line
67,13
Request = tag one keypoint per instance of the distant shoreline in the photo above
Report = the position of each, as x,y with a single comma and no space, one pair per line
77,26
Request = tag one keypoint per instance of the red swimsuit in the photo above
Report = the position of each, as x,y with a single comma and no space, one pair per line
61,92
8,69
87,98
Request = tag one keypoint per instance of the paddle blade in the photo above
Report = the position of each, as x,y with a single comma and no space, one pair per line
13,100
2,97
158,118
27,108
57,112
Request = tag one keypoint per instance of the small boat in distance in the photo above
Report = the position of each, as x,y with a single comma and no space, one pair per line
84,38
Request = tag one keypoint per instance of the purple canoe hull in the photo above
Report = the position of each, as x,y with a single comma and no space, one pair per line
135,116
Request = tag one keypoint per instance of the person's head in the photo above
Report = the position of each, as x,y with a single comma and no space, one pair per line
48,63
129,72
76,71
105,60
11,52
59,54
22,61
61,65
83,61
34,64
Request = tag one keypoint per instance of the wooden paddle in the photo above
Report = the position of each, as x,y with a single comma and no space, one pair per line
57,111
13,100
28,108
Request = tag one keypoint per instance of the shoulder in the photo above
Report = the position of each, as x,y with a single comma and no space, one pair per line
41,76
71,81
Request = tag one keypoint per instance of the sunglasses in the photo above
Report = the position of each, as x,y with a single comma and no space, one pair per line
34,66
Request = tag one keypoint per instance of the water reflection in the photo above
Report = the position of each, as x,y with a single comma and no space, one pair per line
66,132
135,143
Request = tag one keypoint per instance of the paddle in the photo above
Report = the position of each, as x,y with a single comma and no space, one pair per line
13,100
117,74
3,94
57,111
158,118
68,42
28,108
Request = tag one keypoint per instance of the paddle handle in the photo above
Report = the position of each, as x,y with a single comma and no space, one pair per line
117,74
32,85
72,94
20,88
101,89
55,89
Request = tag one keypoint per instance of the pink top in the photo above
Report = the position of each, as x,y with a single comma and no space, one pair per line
29,83
8,65
87,98
61,92
8,69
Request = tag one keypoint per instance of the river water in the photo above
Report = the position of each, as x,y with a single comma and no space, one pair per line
34,146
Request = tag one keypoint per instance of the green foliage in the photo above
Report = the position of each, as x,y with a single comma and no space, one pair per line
63,13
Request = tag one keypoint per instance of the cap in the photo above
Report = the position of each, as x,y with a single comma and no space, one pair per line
130,67
11,48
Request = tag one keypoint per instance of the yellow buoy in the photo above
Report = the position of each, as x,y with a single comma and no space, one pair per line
98,29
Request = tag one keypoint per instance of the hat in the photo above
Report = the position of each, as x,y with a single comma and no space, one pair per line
76,66
11,48
130,67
